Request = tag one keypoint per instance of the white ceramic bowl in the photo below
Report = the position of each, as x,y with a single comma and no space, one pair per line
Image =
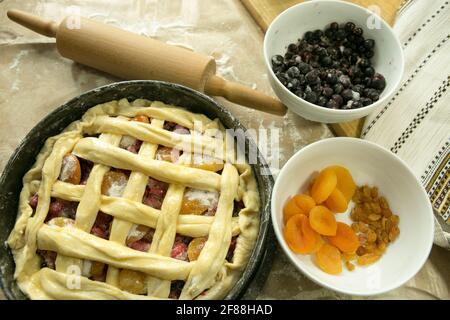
373,165
291,25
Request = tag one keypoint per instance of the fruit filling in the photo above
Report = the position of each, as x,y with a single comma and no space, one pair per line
140,238
168,154
180,248
199,202
48,258
86,167
130,143
155,192
102,225
173,127
175,289
114,183
70,169
60,208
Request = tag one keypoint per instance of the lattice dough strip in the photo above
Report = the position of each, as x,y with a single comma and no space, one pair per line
48,284
27,261
213,254
134,191
76,243
152,134
88,206
99,152
188,225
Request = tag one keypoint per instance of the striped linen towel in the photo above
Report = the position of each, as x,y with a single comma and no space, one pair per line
415,123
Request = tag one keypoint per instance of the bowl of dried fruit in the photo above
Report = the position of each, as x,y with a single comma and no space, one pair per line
332,61
355,219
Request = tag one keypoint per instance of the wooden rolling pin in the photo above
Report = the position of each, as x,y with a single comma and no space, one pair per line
131,56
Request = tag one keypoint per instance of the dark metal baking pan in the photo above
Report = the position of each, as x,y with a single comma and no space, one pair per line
25,155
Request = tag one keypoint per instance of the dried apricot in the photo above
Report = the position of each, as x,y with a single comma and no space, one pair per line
299,235
305,203
328,258
114,183
345,181
323,221
345,238
141,118
192,207
337,202
299,204
324,185
195,247
70,169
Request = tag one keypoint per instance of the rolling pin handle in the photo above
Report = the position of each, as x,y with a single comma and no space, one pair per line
42,26
240,94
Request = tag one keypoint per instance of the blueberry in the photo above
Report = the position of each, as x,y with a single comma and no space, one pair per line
335,64
345,81
282,77
331,104
369,43
357,80
304,67
338,88
378,82
373,94
354,71
277,60
347,52
358,88
340,35
299,92
334,26
309,36
356,105
331,78
338,99
349,26
292,48
320,51
317,33
293,72
369,71
288,55
322,101
332,52
354,58
367,81
358,32
306,56
301,79
369,54
327,92
364,63
293,84
347,94
312,77
326,61
329,33
323,74
311,97
366,101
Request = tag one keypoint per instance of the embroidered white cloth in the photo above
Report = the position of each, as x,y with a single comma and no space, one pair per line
415,123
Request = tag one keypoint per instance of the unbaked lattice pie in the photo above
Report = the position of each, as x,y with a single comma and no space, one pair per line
122,206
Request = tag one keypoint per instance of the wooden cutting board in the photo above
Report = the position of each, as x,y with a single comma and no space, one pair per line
264,11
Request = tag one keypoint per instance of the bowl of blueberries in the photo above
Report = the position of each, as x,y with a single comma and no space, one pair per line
332,61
